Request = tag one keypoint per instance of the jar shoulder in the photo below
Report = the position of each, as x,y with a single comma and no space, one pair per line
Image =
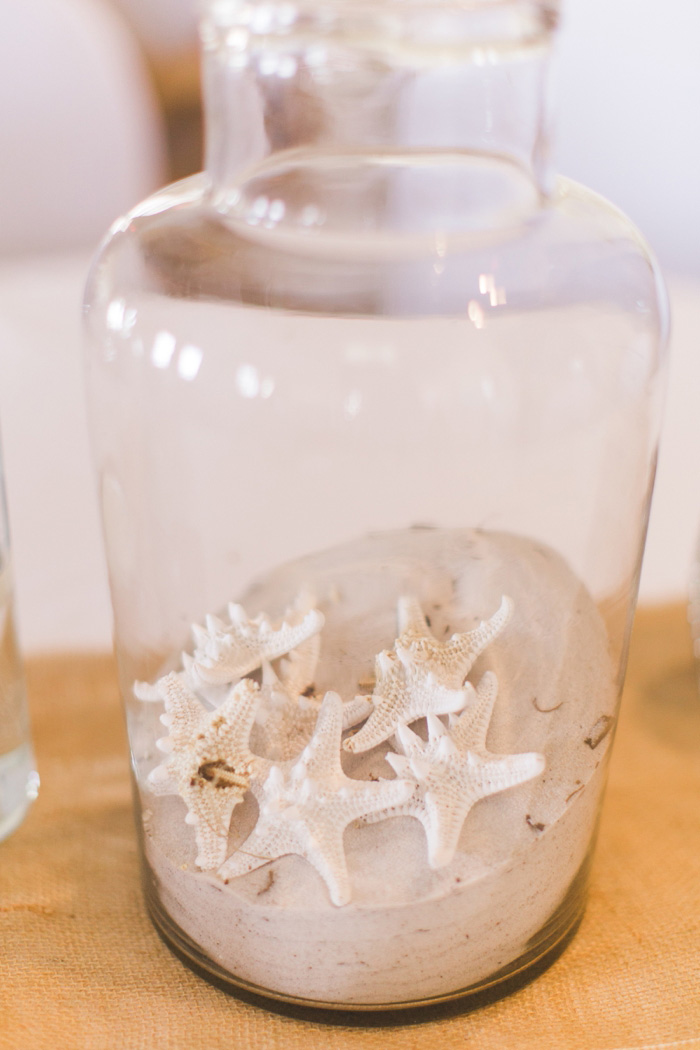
575,246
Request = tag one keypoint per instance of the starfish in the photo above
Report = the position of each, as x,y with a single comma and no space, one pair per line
421,675
449,661
209,764
305,808
403,693
225,652
453,770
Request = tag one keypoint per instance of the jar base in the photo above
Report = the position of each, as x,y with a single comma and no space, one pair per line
544,949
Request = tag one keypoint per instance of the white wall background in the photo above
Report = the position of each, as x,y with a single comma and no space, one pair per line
163,25
628,89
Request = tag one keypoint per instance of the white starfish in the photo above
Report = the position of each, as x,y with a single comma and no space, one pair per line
306,808
450,661
227,651
453,770
423,676
285,722
209,764
403,693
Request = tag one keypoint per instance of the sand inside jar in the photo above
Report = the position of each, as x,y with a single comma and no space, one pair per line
411,933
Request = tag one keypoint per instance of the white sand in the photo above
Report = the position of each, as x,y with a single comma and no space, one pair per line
411,933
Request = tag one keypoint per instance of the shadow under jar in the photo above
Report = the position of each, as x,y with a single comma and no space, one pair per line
375,405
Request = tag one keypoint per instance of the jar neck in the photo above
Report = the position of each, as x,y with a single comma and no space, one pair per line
373,77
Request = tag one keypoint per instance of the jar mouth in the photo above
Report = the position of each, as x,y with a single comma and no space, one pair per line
469,23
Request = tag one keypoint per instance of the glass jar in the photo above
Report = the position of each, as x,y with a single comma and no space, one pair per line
19,779
375,406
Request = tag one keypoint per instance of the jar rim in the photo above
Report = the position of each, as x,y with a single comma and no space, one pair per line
478,22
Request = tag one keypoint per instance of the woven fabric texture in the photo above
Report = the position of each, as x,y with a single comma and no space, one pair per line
82,968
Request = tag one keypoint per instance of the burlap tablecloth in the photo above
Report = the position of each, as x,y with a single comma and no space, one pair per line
82,967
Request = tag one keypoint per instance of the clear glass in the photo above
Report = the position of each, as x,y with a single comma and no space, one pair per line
375,406
19,780
694,606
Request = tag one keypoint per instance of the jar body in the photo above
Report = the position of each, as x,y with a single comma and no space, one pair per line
349,400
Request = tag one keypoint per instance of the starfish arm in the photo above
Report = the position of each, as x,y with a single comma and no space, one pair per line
260,771
320,845
322,753
183,711
379,727
325,852
298,667
411,619
404,701
222,656
399,763
147,692
212,819
236,716
362,798
356,711
444,815
463,649
409,741
266,842
499,772
289,636
162,782
470,729
207,691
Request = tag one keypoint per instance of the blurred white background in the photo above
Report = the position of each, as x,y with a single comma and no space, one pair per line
628,125
628,88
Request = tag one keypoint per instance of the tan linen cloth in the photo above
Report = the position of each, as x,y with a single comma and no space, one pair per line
82,967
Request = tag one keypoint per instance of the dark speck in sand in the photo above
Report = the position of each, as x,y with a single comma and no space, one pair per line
599,731
269,884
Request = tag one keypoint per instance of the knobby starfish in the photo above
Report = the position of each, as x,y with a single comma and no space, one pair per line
225,652
449,661
422,675
209,762
305,808
453,770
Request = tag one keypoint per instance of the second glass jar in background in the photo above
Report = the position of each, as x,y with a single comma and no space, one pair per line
375,406
19,780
